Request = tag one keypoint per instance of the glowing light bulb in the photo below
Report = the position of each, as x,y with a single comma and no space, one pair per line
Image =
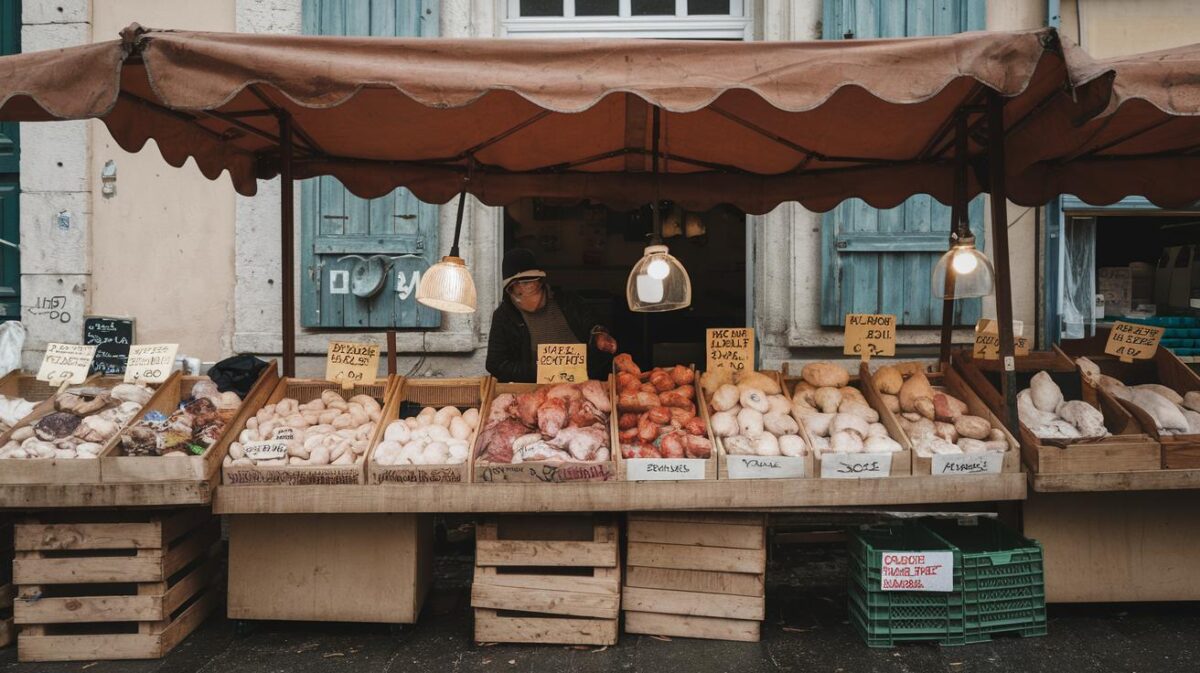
658,268
964,262
649,289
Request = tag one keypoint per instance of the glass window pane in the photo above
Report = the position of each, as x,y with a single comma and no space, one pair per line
700,7
597,7
653,8
541,7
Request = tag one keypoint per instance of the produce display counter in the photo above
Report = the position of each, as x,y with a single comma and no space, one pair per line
1089,482
143,494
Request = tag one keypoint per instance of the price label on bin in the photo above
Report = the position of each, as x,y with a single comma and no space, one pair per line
1131,342
150,363
352,364
562,363
729,348
869,334
66,363
917,571
987,339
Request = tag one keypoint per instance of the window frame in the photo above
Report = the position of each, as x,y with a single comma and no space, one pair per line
737,25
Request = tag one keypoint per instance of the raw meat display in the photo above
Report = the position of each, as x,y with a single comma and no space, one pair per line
433,437
83,421
329,430
191,429
1173,414
1048,415
12,410
751,415
556,423
835,413
657,411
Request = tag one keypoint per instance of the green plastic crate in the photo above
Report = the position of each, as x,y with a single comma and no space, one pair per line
866,547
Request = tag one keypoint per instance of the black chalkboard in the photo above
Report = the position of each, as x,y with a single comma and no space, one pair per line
112,338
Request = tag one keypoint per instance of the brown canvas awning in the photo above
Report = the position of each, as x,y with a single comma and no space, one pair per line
752,124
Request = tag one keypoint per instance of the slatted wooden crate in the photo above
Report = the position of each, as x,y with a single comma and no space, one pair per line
113,585
547,580
696,575
8,631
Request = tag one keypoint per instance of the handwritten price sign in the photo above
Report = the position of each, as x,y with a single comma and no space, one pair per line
66,363
868,335
987,339
1131,342
917,571
562,363
351,364
150,363
729,348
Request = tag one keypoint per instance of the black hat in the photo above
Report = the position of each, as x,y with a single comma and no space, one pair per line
519,263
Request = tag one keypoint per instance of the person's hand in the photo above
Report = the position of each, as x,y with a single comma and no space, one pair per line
605,342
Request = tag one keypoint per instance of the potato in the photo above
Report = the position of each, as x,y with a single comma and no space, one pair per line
779,404
824,374
858,409
877,444
877,430
780,424
766,445
888,380
724,424
827,399
924,407
852,393
973,427
946,431
969,445
753,398
725,397
792,445
891,402
758,381
851,423
908,369
846,441
712,380
916,387
750,422
443,416
804,393
818,424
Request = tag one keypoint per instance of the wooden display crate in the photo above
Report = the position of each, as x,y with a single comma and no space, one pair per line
306,390
757,467
51,470
1128,449
547,580
122,585
116,466
1179,452
951,383
8,631
25,386
695,575
664,469
465,393
539,471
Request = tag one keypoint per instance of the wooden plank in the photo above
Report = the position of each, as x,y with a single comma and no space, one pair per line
1147,480
598,584
571,603
713,628
725,518
539,553
696,558
491,628
8,632
160,494
197,544
8,594
698,534
615,496
76,609
147,568
88,536
703,581
665,601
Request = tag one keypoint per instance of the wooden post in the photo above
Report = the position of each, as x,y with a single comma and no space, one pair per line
391,346
287,244
958,212
999,199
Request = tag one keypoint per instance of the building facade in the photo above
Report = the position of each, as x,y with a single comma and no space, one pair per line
107,232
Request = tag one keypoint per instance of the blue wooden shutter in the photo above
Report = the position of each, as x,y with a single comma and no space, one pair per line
339,228
10,181
881,261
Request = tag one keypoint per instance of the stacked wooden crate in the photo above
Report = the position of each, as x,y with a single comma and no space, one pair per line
113,585
698,575
8,631
547,579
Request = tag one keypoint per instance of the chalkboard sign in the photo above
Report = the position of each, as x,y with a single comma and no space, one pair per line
112,338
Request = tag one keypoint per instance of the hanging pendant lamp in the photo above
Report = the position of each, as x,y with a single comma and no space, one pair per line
658,282
971,273
447,286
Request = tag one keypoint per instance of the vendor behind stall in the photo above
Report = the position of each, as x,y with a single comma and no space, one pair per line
532,313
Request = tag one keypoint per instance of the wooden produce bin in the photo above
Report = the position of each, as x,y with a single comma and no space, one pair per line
951,383
51,470
664,469
410,396
8,592
25,386
121,585
329,567
695,575
757,467
1179,452
547,580
116,466
539,471
1128,449
306,390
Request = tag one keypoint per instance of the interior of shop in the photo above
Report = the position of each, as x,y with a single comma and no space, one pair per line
1150,247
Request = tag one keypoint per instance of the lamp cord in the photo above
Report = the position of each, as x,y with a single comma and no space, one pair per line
656,237
462,200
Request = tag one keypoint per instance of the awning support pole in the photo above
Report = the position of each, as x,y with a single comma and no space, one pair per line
958,213
999,203
287,243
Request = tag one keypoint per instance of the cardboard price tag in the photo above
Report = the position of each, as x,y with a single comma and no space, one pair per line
987,339
917,571
562,363
759,467
989,462
869,334
66,363
351,364
150,363
856,465
1131,342
664,469
729,348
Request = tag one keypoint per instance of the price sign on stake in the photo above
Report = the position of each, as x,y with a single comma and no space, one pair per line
987,339
66,363
729,348
1133,342
150,363
869,334
562,363
917,571
351,364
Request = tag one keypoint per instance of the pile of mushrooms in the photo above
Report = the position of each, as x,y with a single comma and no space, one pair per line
329,430
191,429
83,421
432,437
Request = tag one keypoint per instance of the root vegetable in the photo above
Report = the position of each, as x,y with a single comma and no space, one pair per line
780,424
888,380
973,427
766,445
779,404
824,374
827,399
1029,414
1086,418
846,441
877,430
712,380
860,409
891,402
792,445
753,398
1045,393
1168,416
1192,400
916,387
724,424
725,397
758,381
739,445
946,431
850,423
876,444
1168,394
750,422
818,424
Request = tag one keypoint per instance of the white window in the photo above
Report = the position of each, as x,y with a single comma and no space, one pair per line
690,19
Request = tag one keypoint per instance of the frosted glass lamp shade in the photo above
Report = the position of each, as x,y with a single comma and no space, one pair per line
973,273
658,282
448,286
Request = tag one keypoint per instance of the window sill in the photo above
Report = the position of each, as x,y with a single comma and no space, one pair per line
317,343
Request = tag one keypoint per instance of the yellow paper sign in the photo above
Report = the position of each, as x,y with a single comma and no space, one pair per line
1133,342
562,363
987,339
67,363
729,348
869,334
150,363
351,364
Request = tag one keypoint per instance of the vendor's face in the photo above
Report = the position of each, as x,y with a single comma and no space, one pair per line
528,295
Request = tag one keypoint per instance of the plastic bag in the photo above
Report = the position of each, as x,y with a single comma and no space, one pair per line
12,342
237,373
